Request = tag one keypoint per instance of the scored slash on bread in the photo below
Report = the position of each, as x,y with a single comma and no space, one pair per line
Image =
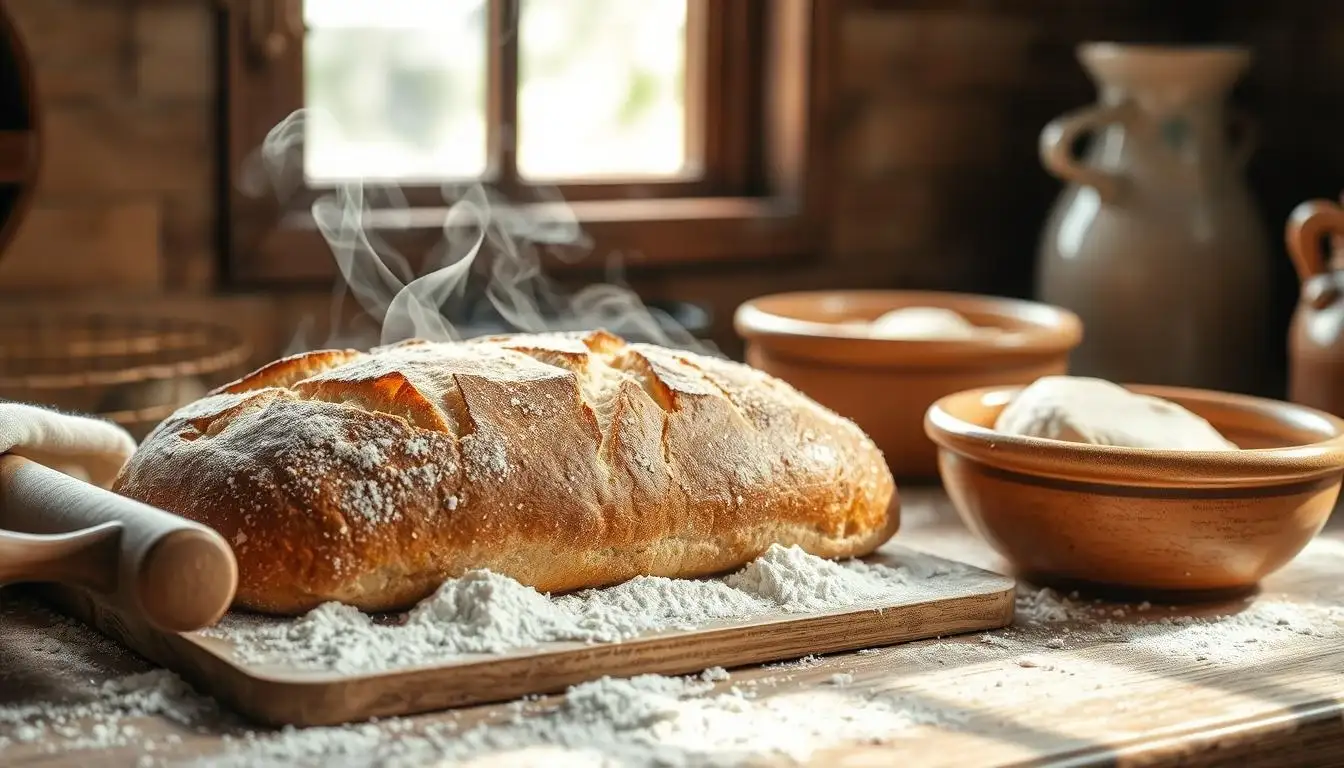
564,460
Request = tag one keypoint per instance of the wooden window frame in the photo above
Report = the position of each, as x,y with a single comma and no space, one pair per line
760,195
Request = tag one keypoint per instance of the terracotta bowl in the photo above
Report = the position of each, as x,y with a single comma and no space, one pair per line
1067,513
886,385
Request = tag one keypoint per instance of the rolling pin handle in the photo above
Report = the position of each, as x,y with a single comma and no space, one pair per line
177,574
186,580
86,558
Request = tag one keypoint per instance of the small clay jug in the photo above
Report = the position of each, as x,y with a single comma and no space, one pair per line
1156,242
1316,335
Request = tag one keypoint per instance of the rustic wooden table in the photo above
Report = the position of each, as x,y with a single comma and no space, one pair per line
1089,684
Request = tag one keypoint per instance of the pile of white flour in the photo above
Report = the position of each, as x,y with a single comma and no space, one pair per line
484,612
709,719
645,720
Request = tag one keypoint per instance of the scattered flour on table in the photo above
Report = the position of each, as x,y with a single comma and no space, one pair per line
699,720
704,719
1238,633
96,720
841,678
645,720
484,612
95,704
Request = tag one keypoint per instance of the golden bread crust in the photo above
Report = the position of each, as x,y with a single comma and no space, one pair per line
562,460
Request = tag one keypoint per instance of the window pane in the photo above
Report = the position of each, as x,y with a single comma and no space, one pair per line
602,88
396,88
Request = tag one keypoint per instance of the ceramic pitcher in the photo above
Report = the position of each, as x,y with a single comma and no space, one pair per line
1316,336
1156,242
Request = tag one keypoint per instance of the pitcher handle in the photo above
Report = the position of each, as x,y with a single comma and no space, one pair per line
1308,225
1056,148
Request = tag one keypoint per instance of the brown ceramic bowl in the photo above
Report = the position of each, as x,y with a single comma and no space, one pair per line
1141,519
886,385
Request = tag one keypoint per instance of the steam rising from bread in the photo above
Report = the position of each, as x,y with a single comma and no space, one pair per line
507,239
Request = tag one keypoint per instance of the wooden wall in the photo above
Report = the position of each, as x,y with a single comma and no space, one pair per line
933,127
126,202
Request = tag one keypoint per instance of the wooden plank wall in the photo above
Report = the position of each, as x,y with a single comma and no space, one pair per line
127,193
933,127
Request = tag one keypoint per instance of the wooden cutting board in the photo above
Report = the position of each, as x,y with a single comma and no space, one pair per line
966,599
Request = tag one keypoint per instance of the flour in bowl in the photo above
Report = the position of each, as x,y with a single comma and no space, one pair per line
927,323
1087,410
484,612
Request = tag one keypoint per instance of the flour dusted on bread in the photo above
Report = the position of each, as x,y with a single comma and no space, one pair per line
563,461
1087,410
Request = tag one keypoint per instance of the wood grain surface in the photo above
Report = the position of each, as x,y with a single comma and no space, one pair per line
1057,694
964,600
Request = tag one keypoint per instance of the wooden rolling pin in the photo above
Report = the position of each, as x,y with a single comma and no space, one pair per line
176,574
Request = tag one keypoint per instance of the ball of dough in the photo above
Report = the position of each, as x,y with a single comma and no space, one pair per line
1087,410
923,323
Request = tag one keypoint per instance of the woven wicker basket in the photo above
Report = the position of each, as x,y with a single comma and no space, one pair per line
131,370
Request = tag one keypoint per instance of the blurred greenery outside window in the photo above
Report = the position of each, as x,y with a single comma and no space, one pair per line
399,89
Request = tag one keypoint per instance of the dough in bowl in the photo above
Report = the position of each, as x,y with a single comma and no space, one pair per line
924,323
1088,410
562,460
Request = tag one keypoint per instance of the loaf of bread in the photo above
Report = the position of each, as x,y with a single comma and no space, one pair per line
562,460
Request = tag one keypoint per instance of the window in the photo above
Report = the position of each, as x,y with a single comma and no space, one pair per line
676,130
601,90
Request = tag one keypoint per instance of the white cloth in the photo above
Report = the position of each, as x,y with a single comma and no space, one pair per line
80,446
